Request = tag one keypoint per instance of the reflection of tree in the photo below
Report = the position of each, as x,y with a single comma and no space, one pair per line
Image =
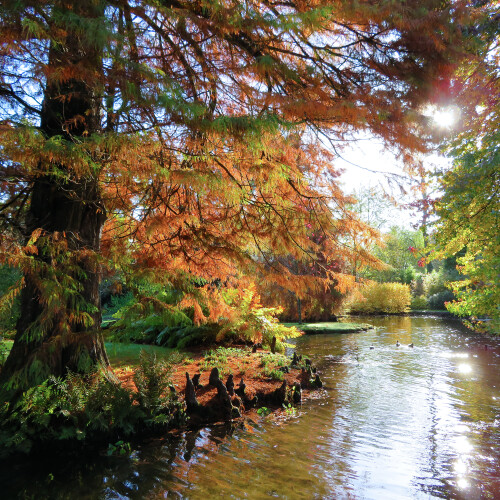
431,462
168,468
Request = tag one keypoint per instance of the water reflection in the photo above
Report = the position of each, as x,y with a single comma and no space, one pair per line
394,422
464,368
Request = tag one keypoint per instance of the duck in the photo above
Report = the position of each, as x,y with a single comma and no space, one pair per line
410,345
371,347
397,343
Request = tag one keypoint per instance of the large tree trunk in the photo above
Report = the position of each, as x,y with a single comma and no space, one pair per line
53,336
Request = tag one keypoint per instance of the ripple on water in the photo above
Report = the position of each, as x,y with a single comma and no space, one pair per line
393,423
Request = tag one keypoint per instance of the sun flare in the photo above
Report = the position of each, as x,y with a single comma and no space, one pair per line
445,117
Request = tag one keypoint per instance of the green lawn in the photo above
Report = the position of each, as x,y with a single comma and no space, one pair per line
335,327
128,354
119,354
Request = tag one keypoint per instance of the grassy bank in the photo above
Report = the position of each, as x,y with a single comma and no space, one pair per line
333,327
119,354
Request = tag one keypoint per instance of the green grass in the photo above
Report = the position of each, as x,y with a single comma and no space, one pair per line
119,354
335,327
271,362
273,359
128,354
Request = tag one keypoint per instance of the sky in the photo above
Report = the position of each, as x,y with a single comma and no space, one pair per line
367,164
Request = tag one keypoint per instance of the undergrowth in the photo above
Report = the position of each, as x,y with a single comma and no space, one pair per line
270,363
375,297
218,358
159,319
92,408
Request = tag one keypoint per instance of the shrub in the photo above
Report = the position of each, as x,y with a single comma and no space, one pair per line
182,336
437,280
161,319
380,298
407,275
437,301
419,303
417,286
148,316
109,408
114,304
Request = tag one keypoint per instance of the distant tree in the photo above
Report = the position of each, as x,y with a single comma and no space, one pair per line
184,137
326,275
397,252
375,207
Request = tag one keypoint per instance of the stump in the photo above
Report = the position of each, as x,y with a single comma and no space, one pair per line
214,377
228,410
279,395
190,396
230,384
317,382
240,391
273,345
196,381
296,393
256,346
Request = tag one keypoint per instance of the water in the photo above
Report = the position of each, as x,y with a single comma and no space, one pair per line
392,423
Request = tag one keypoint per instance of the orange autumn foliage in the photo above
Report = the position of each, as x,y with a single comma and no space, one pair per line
196,140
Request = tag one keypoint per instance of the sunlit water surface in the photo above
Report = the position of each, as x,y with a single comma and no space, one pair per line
392,423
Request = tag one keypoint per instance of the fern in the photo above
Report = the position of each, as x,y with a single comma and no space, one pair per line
252,322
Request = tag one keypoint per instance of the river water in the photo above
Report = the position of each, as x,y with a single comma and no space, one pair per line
391,423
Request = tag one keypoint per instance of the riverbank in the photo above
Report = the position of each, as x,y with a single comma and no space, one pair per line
149,391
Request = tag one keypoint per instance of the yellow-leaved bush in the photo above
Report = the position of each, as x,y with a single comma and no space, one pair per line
373,297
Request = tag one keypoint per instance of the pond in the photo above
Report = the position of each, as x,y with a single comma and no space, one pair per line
391,423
